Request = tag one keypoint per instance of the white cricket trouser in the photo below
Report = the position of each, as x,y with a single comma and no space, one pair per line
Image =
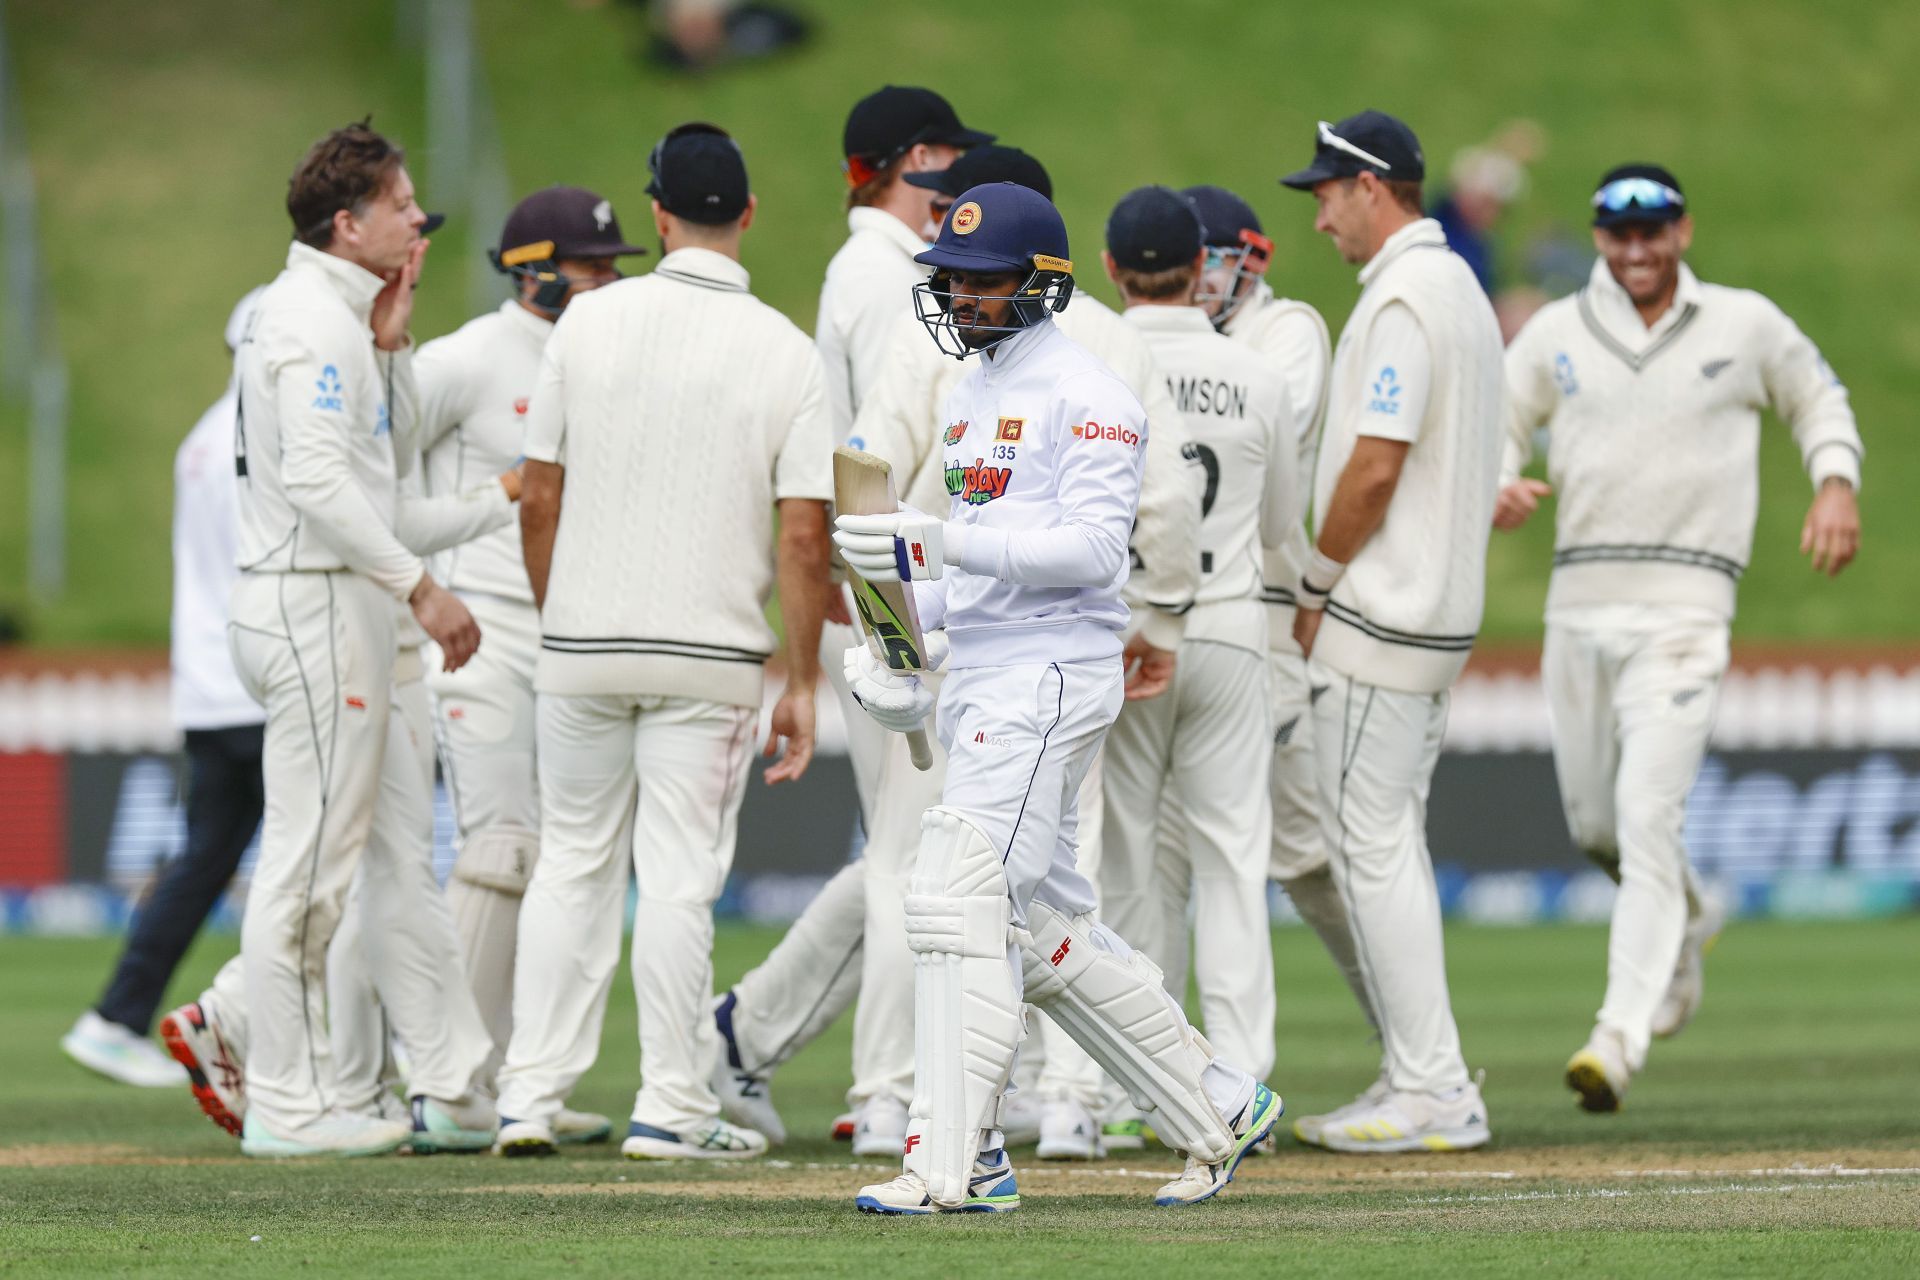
484,722
1191,753
1631,690
1377,750
397,939
688,761
1299,846
317,650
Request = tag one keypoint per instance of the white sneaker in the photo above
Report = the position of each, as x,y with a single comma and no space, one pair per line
1020,1119
578,1128
1130,1134
1200,1181
121,1053
991,1189
1068,1132
523,1138
1599,1072
338,1134
746,1098
715,1140
880,1127
1308,1129
467,1124
1689,983
214,1072
1406,1121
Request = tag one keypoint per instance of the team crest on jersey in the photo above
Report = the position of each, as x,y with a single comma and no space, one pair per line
978,483
1563,374
329,400
965,220
956,431
1386,394
1009,430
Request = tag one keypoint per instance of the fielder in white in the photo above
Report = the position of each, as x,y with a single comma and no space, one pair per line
654,470
475,386
1650,384
778,1007
1043,460
325,379
1388,604
1194,748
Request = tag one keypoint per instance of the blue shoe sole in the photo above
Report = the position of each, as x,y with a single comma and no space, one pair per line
1252,1139
867,1204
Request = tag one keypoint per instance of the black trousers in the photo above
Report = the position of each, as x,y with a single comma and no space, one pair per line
225,798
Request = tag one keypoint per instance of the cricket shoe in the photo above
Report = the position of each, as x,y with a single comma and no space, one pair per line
880,1127
121,1053
1406,1121
580,1128
717,1139
1068,1131
214,1072
1599,1072
1127,1135
337,1134
1309,1129
470,1124
1020,1117
746,1097
1689,983
523,1138
991,1189
1202,1181
843,1126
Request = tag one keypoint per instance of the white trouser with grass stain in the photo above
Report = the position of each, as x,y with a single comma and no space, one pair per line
395,962
1376,752
686,761
484,721
1631,690
997,906
317,651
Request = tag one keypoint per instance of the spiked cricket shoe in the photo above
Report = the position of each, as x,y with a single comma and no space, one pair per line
337,1135
1068,1131
121,1053
717,1139
1311,1129
991,1189
1689,983
746,1097
469,1124
523,1138
1202,1181
214,1072
1599,1072
1405,1121
880,1128
578,1128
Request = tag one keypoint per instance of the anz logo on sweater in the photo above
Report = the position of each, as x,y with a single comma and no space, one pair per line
1386,393
1563,375
329,400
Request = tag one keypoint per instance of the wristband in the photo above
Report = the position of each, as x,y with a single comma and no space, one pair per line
1317,581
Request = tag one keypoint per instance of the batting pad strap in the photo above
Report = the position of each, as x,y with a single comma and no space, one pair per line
972,927
1115,1008
500,857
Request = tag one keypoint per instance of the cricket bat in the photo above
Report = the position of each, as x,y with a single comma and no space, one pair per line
863,486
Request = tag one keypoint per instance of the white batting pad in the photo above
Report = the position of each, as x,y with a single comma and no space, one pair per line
499,857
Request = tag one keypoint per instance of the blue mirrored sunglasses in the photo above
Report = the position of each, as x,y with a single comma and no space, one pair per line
1645,192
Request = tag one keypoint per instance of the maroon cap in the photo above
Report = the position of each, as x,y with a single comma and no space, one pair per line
562,222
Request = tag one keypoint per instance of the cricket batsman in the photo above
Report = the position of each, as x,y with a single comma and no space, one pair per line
1044,450
1650,384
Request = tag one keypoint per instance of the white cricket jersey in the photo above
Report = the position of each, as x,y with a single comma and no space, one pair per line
867,292
1418,361
1044,447
206,692
1292,336
901,421
682,408
319,406
475,385
1654,435
1241,427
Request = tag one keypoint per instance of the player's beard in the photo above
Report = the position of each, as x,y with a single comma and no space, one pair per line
976,335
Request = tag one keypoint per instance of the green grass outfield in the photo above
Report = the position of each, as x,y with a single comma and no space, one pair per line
1777,1136
163,133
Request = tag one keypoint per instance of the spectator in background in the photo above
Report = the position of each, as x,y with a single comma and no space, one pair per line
1483,182
695,35
223,727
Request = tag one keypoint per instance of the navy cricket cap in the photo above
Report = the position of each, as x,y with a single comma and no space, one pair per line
699,174
1153,229
1371,142
562,222
986,164
1223,215
1638,193
895,117
1001,226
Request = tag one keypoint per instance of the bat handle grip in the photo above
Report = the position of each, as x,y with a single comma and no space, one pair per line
921,751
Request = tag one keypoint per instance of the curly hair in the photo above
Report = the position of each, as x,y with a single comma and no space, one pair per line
343,170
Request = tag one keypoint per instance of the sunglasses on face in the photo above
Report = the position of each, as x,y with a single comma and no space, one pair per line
1329,138
1644,192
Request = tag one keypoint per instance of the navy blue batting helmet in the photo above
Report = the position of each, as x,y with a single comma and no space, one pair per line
995,227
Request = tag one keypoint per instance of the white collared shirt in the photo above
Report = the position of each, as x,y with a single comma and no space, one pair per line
206,692
867,293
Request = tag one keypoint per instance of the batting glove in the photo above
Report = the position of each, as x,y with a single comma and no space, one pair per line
905,546
897,700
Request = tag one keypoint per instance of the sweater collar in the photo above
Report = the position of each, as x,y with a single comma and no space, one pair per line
1423,232
1009,356
355,285
886,227
704,267
1615,311
1159,319
521,320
